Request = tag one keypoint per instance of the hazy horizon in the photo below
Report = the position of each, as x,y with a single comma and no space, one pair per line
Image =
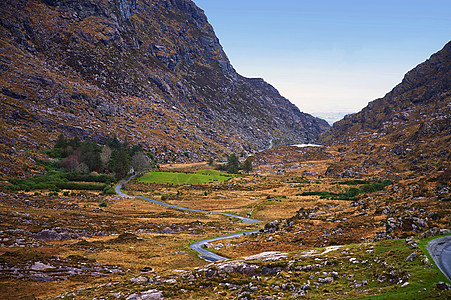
329,56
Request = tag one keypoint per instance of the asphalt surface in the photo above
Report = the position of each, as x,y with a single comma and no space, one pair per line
440,250
210,256
203,253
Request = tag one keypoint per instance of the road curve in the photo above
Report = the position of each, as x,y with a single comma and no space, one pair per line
197,246
440,250
210,256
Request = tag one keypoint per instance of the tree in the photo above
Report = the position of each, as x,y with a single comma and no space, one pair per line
61,142
105,155
247,165
119,163
135,149
232,164
71,163
140,162
82,168
114,143
75,143
90,155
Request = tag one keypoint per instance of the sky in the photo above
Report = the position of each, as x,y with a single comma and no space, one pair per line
329,56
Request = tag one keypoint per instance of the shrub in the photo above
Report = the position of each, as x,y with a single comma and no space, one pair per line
103,204
79,186
108,191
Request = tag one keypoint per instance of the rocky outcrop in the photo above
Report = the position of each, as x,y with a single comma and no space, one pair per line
152,72
408,130
426,85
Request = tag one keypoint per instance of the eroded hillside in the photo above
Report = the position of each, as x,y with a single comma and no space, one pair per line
150,71
407,133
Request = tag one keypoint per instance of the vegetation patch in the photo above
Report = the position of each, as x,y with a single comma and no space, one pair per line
198,177
351,193
56,180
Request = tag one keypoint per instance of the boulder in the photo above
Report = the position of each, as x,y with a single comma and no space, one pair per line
38,266
140,280
148,295
325,280
444,286
412,256
266,270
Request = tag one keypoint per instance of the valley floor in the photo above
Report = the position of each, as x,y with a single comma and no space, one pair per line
322,237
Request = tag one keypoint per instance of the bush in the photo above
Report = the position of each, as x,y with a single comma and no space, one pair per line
375,186
89,177
353,182
108,191
66,193
80,186
352,192
103,204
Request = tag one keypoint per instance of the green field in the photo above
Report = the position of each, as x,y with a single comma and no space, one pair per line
198,177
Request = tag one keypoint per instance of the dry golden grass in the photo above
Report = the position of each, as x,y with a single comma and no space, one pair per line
267,197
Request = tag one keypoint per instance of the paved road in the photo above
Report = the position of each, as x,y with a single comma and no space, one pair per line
440,250
203,253
210,256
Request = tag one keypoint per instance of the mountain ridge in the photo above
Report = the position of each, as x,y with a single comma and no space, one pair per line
409,128
150,72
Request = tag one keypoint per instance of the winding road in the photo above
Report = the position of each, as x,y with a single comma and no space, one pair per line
440,250
197,246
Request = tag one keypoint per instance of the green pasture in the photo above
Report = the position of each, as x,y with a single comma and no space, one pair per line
197,177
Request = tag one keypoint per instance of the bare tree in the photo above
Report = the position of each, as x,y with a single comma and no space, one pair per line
140,162
105,155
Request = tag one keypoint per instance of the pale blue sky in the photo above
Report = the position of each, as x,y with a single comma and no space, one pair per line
329,55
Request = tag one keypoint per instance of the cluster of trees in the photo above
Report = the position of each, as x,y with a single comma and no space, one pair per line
233,165
114,157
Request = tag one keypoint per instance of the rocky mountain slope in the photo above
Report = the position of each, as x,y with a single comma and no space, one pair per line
406,132
150,71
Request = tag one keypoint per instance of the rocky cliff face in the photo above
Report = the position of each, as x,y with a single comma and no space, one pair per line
408,129
150,71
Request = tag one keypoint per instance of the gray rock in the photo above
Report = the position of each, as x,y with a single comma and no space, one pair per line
148,295
53,235
325,280
444,286
167,230
421,223
270,270
411,257
126,8
307,268
232,267
38,266
140,280
306,286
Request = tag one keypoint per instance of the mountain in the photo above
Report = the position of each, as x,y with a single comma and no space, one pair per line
409,130
152,72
